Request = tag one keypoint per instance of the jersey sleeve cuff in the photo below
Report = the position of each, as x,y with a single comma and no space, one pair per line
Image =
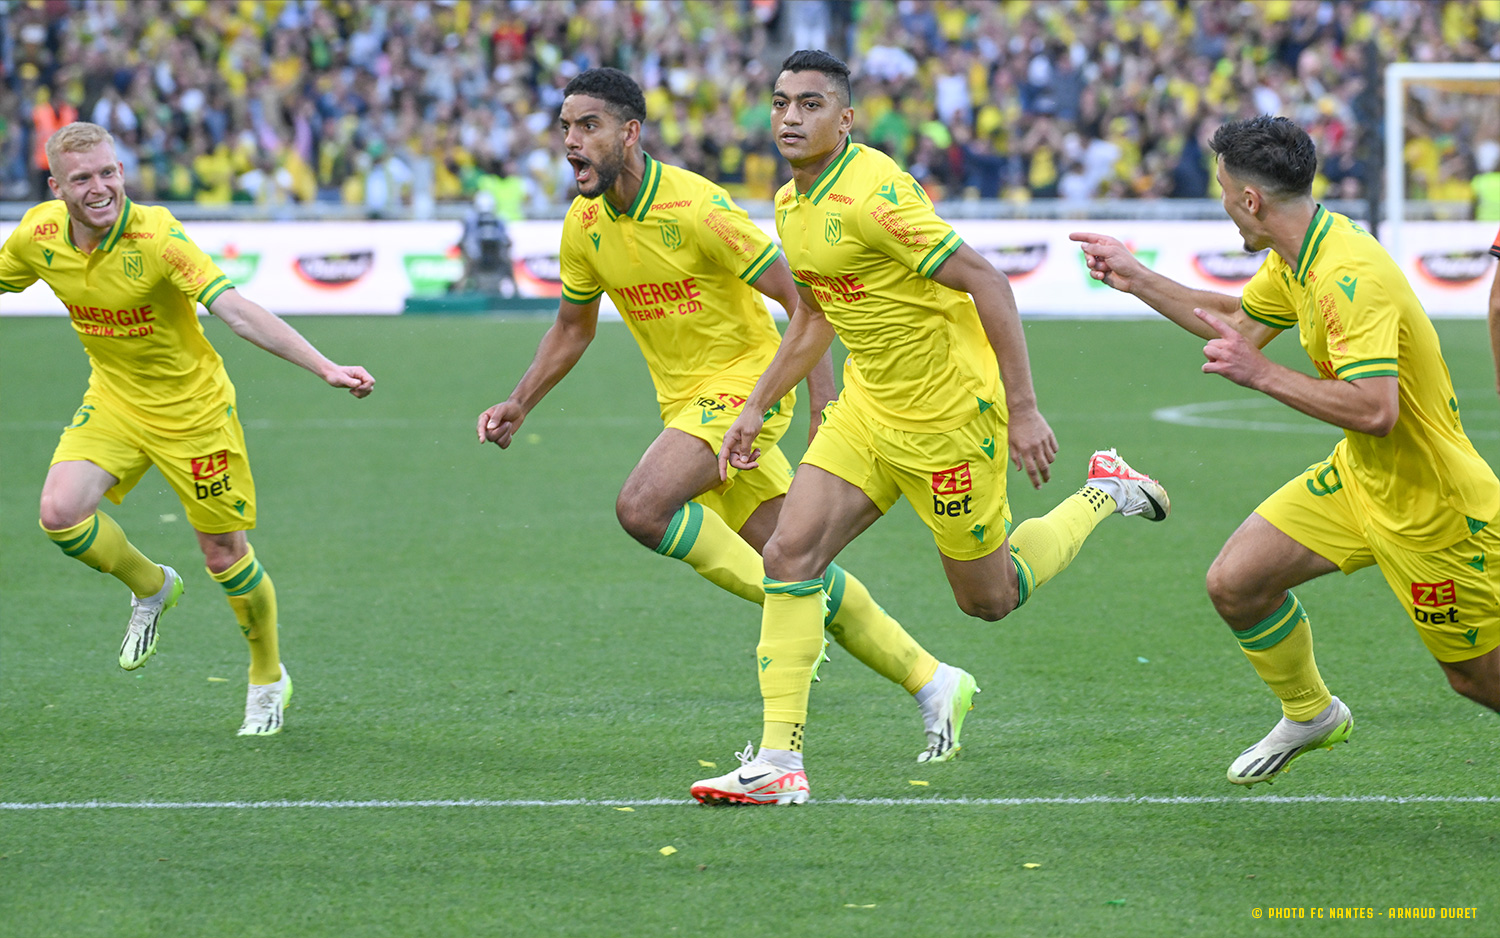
214,290
1369,368
761,264
934,259
580,298
1265,319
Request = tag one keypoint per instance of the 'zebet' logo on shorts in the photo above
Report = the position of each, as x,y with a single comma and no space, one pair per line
1435,596
955,481
206,472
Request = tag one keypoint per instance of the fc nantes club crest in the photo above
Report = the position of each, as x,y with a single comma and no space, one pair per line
833,229
134,266
671,235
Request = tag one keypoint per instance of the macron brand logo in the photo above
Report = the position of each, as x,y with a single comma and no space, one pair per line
1347,285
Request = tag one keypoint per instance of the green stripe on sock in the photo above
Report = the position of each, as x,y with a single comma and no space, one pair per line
833,585
1275,627
799,588
673,527
82,542
254,568
1025,579
692,523
236,581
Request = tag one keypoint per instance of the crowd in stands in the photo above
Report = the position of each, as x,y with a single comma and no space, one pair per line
397,106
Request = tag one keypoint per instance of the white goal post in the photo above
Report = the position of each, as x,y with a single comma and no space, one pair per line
1479,77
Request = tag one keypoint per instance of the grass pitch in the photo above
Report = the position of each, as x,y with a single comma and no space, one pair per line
489,672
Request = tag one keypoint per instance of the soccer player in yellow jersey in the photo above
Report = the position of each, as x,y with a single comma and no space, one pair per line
1404,490
158,395
1495,311
685,267
932,332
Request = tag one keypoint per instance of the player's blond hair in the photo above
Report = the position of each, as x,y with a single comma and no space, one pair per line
76,137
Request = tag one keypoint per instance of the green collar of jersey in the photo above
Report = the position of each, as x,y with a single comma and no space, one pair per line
1317,230
111,239
650,182
830,174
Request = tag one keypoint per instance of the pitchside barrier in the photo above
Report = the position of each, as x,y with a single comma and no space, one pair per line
390,267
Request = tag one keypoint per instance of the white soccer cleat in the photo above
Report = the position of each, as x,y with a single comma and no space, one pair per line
945,720
756,782
145,614
264,705
1288,740
1134,493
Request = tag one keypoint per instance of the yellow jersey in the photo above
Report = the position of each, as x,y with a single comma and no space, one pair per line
1423,485
134,303
866,241
678,265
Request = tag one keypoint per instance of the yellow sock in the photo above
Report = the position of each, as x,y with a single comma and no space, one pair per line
791,639
102,544
1041,548
252,596
1280,647
700,538
871,635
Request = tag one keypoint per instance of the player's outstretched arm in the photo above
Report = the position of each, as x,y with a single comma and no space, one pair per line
1111,263
806,342
556,355
260,326
1033,446
1495,324
777,283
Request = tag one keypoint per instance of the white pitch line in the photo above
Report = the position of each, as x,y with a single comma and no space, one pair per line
667,802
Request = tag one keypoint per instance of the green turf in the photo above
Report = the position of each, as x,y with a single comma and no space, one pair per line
464,623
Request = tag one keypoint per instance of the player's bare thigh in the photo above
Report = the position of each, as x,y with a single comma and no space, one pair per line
72,493
821,516
1255,568
985,587
1477,678
676,468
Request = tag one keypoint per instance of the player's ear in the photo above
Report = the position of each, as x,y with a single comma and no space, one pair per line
632,132
846,120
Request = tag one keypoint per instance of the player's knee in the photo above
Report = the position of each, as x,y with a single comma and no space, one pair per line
58,515
1227,592
787,562
989,607
639,521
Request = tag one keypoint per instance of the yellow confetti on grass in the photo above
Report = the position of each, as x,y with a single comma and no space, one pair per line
667,851
218,680
850,905
920,782
1032,866
624,809
708,765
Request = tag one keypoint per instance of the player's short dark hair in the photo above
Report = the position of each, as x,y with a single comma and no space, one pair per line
816,60
1271,151
614,88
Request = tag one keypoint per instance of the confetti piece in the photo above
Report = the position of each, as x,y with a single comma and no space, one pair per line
218,680
533,438
624,809
1142,660
850,905
708,765
168,519
919,782
1114,901
667,851
1032,866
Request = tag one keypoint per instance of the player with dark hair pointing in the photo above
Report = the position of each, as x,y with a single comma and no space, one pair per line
1404,489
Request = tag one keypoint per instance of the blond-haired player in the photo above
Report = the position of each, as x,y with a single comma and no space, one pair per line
132,281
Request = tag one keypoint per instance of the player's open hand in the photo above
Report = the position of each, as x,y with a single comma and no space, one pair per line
359,382
739,449
1231,354
1109,260
1033,446
499,424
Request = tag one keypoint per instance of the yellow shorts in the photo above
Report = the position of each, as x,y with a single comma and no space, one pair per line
708,417
210,473
1452,595
955,479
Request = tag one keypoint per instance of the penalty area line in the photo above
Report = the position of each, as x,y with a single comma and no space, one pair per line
1084,800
